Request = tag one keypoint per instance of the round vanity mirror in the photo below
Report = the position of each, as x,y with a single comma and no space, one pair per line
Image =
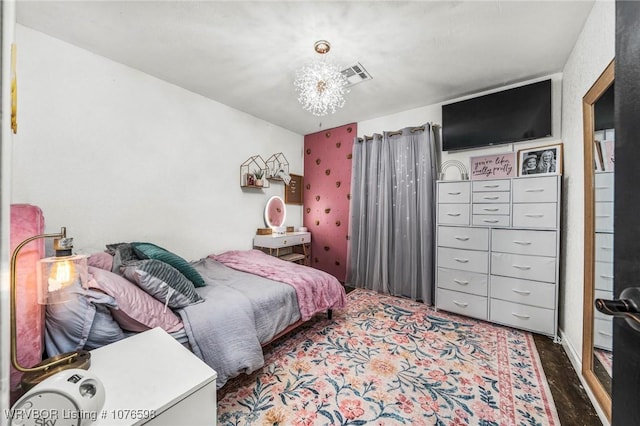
275,213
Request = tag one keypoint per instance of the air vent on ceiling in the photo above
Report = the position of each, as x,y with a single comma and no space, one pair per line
356,74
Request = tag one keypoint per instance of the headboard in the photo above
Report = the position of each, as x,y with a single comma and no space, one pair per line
27,221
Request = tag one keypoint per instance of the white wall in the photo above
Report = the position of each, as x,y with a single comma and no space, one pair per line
117,155
591,54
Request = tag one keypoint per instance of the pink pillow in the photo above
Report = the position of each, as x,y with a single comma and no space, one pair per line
137,311
102,260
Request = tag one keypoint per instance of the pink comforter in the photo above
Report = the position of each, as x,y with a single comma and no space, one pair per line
316,290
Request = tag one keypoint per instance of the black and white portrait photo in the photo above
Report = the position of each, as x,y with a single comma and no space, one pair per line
546,160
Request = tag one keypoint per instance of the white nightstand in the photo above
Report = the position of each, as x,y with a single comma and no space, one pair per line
152,379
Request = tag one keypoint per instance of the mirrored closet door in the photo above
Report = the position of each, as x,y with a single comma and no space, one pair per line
599,143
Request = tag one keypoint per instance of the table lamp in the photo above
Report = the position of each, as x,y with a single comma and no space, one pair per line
54,276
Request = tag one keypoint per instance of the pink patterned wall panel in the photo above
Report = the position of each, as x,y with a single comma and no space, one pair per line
327,182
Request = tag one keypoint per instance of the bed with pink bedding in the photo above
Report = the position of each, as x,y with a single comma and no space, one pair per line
224,307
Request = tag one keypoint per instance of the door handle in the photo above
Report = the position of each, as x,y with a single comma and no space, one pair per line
626,307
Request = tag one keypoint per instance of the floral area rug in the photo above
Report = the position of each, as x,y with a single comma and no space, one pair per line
390,361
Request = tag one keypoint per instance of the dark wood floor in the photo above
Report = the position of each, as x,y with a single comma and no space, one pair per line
573,405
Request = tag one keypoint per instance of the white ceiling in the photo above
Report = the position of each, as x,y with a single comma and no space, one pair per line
245,54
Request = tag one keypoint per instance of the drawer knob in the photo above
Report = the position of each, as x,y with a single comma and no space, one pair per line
605,334
461,260
453,214
461,282
490,198
606,277
486,209
603,187
462,238
523,267
302,239
522,243
490,220
606,248
284,242
534,190
533,215
462,304
525,292
454,193
490,186
603,215
520,315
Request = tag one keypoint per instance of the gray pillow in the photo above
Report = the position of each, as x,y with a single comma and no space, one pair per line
162,281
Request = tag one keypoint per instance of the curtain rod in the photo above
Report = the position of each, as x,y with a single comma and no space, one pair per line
399,132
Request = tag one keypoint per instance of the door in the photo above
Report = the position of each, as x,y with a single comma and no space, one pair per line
626,341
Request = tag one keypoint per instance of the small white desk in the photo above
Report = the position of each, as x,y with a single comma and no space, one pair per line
152,377
299,243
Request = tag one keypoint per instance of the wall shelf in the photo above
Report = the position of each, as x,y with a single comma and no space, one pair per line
274,164
248,170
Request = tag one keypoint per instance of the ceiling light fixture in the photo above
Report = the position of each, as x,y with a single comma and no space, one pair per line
320,84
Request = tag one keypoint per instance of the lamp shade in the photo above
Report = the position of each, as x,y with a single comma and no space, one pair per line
56,274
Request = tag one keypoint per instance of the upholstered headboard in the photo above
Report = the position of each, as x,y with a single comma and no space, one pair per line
27,221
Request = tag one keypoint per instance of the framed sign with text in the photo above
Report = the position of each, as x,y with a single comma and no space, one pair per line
293,191
493,166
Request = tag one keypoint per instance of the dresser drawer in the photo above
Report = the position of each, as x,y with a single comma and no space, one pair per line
495,209
603,334
519,241
604,190
603,276
491,197
466,260
490,220
464,238
535,268
454,192
523,316
525,292
466,282
491,185
535,215
604,247
535,190
462,303
453,214
604,217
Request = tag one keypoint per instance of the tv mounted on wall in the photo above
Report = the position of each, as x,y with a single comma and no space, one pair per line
512,115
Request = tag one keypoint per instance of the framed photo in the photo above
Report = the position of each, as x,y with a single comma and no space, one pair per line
493,166
608,155
541,160
293,191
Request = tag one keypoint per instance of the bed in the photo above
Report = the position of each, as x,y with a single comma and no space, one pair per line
223,307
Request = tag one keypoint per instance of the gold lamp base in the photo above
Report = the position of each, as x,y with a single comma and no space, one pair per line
79,359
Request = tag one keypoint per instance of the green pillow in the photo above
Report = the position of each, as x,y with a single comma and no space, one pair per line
152,251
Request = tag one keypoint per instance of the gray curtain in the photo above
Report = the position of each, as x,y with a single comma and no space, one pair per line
392,213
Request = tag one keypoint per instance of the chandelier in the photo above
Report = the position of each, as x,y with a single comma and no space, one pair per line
320,84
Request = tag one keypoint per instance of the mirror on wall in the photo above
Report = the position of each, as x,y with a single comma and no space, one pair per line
599,162
275,213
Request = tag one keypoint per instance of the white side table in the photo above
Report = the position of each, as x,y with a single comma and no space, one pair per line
298,242
152,379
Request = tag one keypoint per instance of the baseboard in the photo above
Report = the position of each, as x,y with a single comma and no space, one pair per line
576,361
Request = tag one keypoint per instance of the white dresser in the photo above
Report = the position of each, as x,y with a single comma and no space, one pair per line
497,253
603,273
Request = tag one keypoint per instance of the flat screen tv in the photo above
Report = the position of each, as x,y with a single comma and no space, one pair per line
512,115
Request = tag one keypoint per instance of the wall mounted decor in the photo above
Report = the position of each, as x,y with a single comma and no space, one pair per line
252,173
293,193
277,167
